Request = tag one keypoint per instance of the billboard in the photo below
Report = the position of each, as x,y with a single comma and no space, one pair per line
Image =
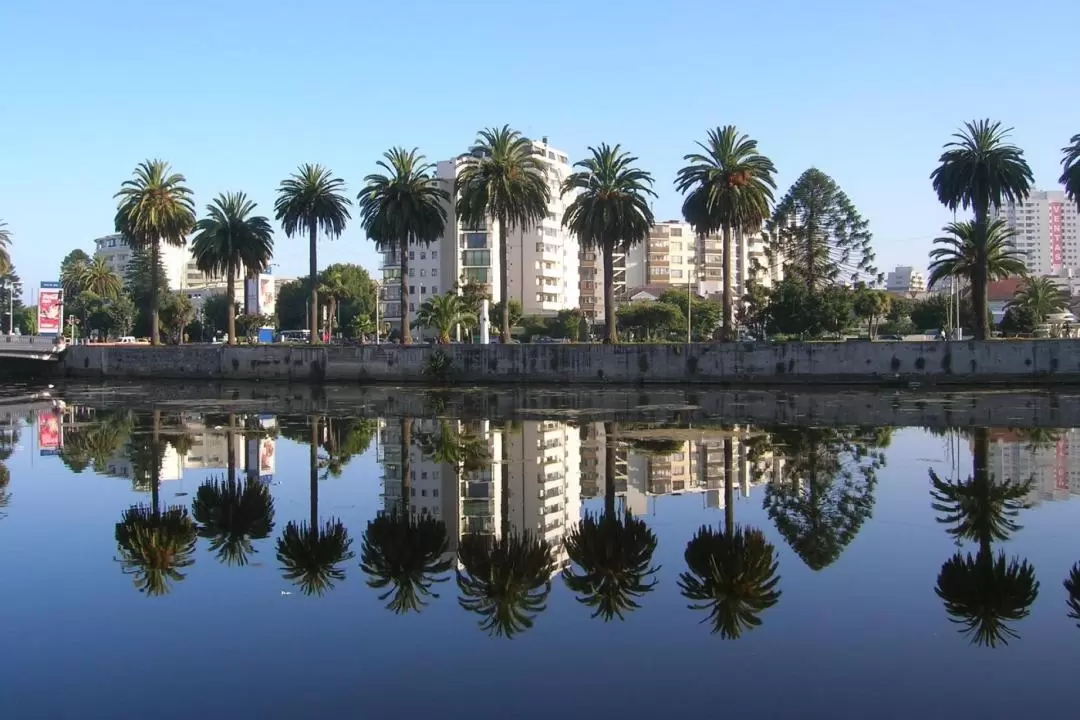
260,459
260,295
50,434
50,318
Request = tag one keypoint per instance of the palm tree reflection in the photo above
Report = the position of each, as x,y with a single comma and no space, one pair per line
983,593
310,554
1072,586
732,573
505,580
613,552
232,514
406,555
152,545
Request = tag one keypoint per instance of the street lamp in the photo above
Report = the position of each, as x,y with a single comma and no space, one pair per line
378,300
10,287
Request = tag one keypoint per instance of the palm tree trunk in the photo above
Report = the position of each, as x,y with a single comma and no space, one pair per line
610,333
729,270
729,486
230,447
980,457
406,482
313,461
406,331
230,302
313,271
980,273
609,469
504,272
155,300
155,461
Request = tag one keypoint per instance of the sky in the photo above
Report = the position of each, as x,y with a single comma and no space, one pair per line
236,94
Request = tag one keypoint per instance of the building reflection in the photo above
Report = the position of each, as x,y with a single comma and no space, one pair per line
1051,458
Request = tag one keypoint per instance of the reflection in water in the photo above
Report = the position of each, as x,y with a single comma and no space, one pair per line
505,580
982,593
613,552
232,514
828,490
406,554
9,439
153,546
345,439
310,554
732,573
1072,586
92,440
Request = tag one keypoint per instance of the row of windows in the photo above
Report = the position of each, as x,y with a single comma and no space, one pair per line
423,272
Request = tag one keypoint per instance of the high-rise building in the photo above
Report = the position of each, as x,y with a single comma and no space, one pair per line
542,262
179,265
1046,231
674,256
904,280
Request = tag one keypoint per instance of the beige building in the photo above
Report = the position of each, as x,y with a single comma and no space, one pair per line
180,268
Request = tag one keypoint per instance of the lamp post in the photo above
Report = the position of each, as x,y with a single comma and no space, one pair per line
378,300
9,289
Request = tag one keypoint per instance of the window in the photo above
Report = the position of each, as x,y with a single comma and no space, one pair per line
412,255
423,290
435,493
434,289
412,307
423,255
423,272
474,241
550,232
676,232
412,289
434,254
412,272
477,275
423,493
476,257
112,243
434,272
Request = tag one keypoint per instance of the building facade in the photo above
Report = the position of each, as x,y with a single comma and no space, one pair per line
180,268
1046,231
542,262
905,279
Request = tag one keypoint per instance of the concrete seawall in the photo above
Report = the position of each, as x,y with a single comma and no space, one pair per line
970,363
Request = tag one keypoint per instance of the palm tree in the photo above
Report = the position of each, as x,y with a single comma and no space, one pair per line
443,313
979,169
310,554
1070,174
502,178
71,277
332,289
403,208
966,249
155,207
1041,296
982,593
730,189
153,546
1072,587
614,552
5,245
230,240
231,514
732,574
97,277
406,554
610,212
312,199
505,580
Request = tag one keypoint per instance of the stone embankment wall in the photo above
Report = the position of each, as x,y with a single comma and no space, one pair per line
969,363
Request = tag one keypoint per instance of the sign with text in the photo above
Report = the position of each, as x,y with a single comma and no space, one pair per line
50,309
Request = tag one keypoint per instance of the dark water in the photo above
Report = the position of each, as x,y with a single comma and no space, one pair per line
549,569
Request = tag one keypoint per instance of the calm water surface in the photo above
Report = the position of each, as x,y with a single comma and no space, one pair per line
543,569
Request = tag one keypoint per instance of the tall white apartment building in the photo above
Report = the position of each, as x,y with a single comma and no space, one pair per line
1046,231
674,256
905,279
180,268
542,262
1054,466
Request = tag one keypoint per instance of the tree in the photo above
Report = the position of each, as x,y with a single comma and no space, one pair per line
217,311
870,306
291,307
176,312
730,188
442,313
155,207
403,208
5,246
612,551
312,199
820,236
505,580
705,315
754,310
978,255
651,320
502,178
408,555
474,295
834,307
332,291
231,240
345,439
1072,587
1041,296
71,268
1019,320
791,309
610,212
1070,172
140,277
515,314
232,514
828,493
979,169
982,593
10,292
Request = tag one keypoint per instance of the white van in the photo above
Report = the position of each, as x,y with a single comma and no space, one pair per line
127,340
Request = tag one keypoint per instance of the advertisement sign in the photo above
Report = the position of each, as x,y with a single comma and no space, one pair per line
260,459
50,437
260,295
50,309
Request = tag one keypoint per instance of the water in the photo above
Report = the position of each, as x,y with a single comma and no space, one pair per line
837,592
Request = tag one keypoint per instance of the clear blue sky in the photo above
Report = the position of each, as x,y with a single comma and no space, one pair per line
236,93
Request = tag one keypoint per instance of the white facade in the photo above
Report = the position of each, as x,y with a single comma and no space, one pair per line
1053,465
905,279
179,266
1046,231
674,256
542,263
